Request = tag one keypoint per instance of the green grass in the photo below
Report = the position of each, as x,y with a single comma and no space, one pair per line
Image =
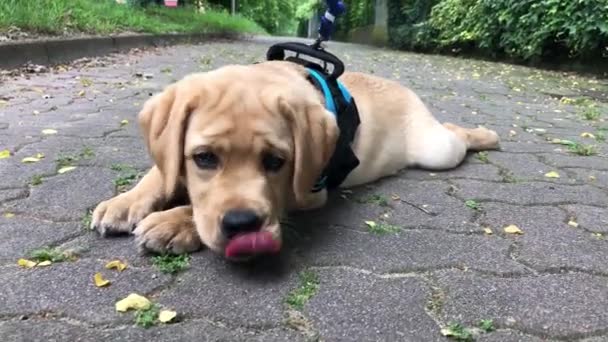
171,264
482,156
86,220
36,180
375,199
582,149
458,332
58,17
591,113
472,204
487,325
381,228
127,175
147,318
309,285
48,254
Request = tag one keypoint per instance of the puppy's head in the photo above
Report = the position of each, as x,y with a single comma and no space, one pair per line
248,142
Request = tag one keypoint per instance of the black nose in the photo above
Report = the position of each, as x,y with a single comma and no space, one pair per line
240,221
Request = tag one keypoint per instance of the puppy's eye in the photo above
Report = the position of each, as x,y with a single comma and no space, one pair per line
272,163
206,160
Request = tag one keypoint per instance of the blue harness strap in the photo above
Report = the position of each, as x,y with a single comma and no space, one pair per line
330,104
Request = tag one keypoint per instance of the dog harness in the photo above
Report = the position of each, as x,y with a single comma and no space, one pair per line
342,105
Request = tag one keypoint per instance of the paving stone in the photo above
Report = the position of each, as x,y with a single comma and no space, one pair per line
19,235
67,196
528,167
590,176
354,306
68,289
589,218
566,306
592,162
548,242
510,336
237,294
191,330
405,251
530,193
471,168
13,194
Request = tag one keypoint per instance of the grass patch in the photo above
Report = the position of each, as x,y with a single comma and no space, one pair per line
49,254
147,318
375,199
309,285
457,332
472,204
65,159
487,325
382,228
127,175
58,17
582,149
171,264
36,180
482,157
591,113
507,176
86,220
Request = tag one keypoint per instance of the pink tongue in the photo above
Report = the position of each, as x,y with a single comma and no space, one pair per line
252,243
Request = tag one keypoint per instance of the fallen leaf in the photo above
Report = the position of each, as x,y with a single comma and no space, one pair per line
371,224
488,231
117,264
133,301
512,133
49,131
39,155
166,316
36,112
552,174
44,263
100,282
573,223
395,197
9,215
26,263
81,93
587,135
29,160
66,169
5,154
513,229
124,122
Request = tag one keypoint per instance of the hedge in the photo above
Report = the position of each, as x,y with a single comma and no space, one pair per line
527,30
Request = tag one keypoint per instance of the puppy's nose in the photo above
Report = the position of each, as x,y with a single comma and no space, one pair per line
240,221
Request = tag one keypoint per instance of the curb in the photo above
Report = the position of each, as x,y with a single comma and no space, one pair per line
56,51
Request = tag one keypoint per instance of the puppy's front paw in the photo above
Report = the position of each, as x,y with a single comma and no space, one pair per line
169,231
120,214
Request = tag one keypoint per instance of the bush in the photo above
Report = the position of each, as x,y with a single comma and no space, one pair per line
520,29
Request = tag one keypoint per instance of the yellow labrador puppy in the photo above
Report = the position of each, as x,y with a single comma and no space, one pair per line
246,143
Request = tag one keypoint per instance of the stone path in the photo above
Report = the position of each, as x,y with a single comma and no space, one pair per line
423,261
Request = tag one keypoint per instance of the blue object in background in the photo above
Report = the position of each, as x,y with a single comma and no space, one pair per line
335,8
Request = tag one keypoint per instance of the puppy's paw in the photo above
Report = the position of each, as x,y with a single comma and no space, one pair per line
171,231
120,214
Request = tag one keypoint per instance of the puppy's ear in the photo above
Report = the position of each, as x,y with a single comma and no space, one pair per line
163,122
315,133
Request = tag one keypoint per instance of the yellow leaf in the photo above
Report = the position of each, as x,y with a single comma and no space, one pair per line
66,169
39,155
9,215
488,231
166,316
552,174
395,197
371,224
573,223
124,122
26,263
49,131
100,282
117,264
5,154
44,263
587,135
133,301
28,160
81,93
513,229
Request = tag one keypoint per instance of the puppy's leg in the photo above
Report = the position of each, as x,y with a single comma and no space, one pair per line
442,147
477,139
120,214
169,231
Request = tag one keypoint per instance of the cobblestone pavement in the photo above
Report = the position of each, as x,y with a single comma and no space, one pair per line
433,253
